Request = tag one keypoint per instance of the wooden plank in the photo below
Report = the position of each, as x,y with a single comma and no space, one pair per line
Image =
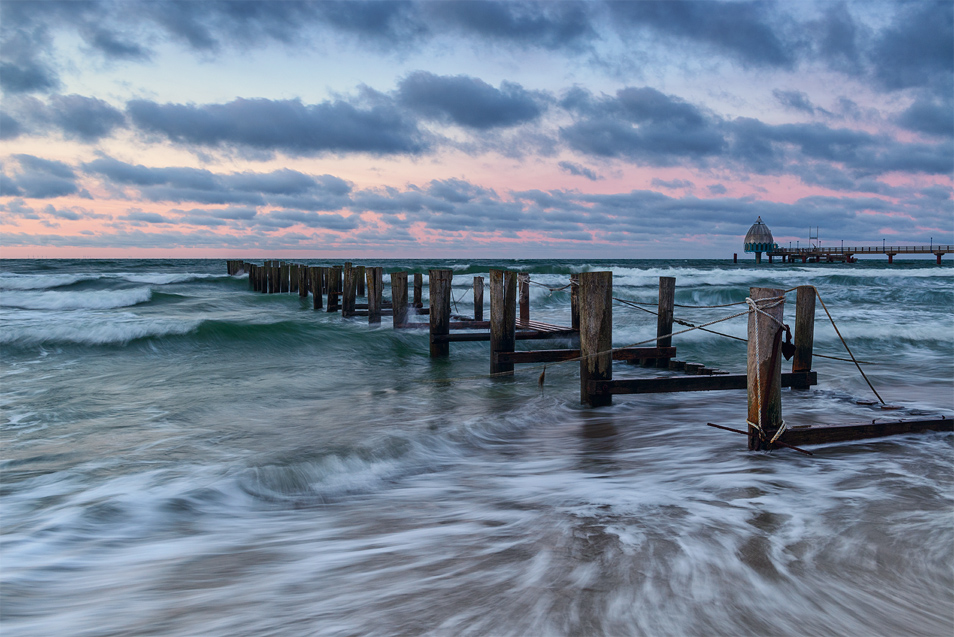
478,298
554,355
461,337
804,328
820,434
695,383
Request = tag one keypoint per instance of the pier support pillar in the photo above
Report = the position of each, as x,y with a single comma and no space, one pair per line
334,286
938,255
735,257
374,276
596,334
758,257
764,363
891,258
399,298
418,289
804,330
523,283
478,298
350,287
317,278
503,317
439,288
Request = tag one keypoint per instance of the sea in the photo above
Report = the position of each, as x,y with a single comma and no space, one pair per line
180,455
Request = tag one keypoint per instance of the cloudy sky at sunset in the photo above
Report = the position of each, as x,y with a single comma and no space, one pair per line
474,129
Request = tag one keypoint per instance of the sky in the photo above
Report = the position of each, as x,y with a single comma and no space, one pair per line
577,130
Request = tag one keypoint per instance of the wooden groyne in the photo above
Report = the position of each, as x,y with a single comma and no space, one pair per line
590,336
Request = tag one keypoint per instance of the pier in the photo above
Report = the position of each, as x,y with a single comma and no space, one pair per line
588,340
759,240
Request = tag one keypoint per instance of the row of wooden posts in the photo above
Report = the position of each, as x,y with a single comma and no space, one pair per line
591,310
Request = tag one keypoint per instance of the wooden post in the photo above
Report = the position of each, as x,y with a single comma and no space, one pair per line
418,289
359,277
478,298
503,317
347,295
293,277
439,288
575,301
399,298
804,329
303,281
284,274
375,276
317,286
667,298
523,281
596,335
274,286
334,277
764,356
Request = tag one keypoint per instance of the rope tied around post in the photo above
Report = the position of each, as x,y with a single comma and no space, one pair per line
754,307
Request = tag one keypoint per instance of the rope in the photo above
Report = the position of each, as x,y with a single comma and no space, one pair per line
847,349
768,303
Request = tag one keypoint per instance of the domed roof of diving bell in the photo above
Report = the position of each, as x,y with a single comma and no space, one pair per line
759,238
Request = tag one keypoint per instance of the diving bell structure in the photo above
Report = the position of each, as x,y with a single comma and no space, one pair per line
759,239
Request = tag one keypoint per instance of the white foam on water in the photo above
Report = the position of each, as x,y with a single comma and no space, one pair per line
86,327
71,300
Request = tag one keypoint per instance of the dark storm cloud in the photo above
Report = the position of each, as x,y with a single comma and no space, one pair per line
741,30
180,184
916,49
673,184
85,118
282,125
794,100
550,25
578,170
27,77
644,125
39,178
930,117
838,39
9,127
468,101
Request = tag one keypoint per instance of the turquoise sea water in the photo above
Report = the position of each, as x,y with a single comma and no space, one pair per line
181,455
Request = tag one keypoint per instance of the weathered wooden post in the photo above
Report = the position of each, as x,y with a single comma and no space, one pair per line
523,281
274,286
262,279
359,277
804,331
375,277
251,277
503,317
667,299
439,288
399,298
317,291
292,277
334,278
284,274
303,281
418,289
347,295
596,335
764,366
478,298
